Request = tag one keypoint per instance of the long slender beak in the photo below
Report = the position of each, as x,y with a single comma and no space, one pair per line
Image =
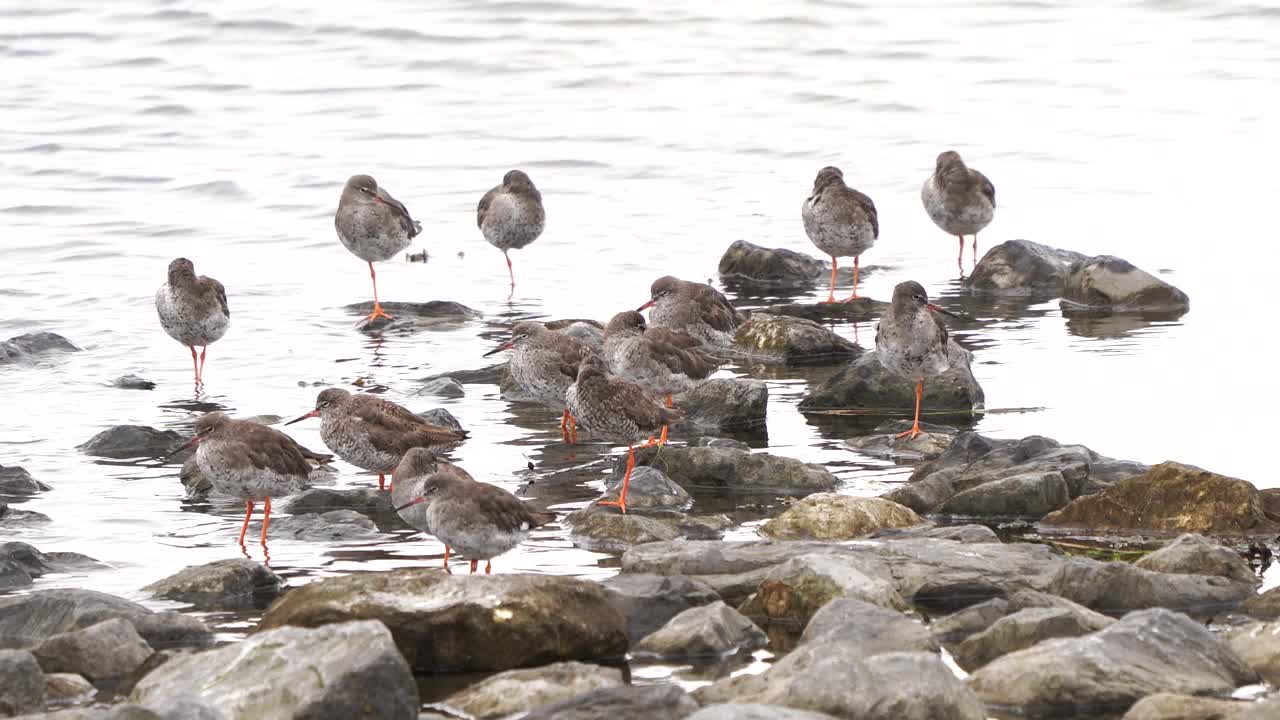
948,313
313,413
195,440
504,346
645,306
411,503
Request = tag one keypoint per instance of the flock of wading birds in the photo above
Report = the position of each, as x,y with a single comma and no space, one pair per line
614,393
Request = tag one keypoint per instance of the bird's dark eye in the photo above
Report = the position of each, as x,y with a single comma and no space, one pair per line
433,489
918,297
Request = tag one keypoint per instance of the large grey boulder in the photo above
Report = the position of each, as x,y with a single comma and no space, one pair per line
784,339
21,684
829,516
724,404
1192,554
1171,706
708,632
1024,629
649,601
867,384
15,480
104,652
749,265
28,620
871,629
129,441
1115,587
625,702
702,470
20,563
1108,283
1022,268
516,691
796,589
221,585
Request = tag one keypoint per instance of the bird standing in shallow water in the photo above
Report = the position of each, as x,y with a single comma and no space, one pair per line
840,221
479,520
371,433
193,310
911,341
374,226
959,199
696,309
511,215
544,365
616,409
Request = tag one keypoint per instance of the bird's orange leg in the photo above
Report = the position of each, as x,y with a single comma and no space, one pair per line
488,567
510,271
915,427
854,296
960,257
831,295
248,511
266,521
662,439
447,549
203,351
378,312
573,430
621,502
382,479
975,250
564,425
195,365
473,566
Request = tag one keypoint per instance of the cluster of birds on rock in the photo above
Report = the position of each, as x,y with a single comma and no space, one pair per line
623,393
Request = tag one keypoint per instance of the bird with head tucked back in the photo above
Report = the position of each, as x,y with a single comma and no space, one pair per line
543,365
193,310
696,309
374,226
959,199
840,221
911,340
510,215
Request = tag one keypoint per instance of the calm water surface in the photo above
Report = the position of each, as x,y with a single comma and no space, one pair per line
658,133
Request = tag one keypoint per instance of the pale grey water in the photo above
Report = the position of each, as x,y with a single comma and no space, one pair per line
658,133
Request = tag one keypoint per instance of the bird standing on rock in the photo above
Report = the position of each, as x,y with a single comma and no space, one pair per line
374,226
660,360
511,215
840,221
911,341
696,309
959,199
193,310
616,409
371,433
479,520
544,365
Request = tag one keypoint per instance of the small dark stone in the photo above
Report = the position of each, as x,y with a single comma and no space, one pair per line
441,417
442,387
128,441
221,585
133,382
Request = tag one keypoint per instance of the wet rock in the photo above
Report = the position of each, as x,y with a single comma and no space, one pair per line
709,631
67,688
841,680
183,709
430,310
719,442
799,587
1145,652
1114,587
1258,644
15,480
28,620
1032,496
366,501
1264,606
747,265
129,441
1168,706
106,651
21,684
474,622
956,627
866,383
442,417
1109,283
828,516
1023,629
626,702
708,469
791,340
604,529
1192,554
515,691
724,404
649,489
885,443
960,533
172,630
755,711
1171,497
24,348
442,387
1022,267
132,382
871,629
341,670
490,375
335,525
13,517
649,601
231,584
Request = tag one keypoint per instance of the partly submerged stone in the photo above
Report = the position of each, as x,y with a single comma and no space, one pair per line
16,481
128,441
719,469
790,340
1022,267
1109,283
828,516
516,691
24,348
221,585
28,620
867,384
749,265
724,404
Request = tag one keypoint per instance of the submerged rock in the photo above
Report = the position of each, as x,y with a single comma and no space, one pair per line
1192,554
884,441
867,384
441,417
1172,497
366,501
21,684
791,340
490,375
1146,652
709,632
23,348
20,563
515,691
342,670
1023,629
801,586
221,585
604,529
710,469
1022,267
103,652
748,265
430,310
467,622
724,404
1109,283
859,309
334,525
132,382
13,517
28,620
649,489
828,516
442,387
625,702
129,441
649,601
15,480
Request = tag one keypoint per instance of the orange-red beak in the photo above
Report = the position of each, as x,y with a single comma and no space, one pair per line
313,413
504,346
645,306
412,502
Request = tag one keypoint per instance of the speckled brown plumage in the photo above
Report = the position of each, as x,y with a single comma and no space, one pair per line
193,310
911,340
510,216
696,309
959,199
661,360
840,221
374,226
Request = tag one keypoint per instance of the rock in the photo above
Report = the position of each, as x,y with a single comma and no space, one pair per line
1168,706
1171,497
710,469
474,622
748,265
1021,268
649,601
515,691
960,533
885,443
1109,283
1264,606
604,529
626,702
442,417
366,501
342,670
1115,587
710,632
755,711
1032,495
721,443
446,310
870,629
954,628
796,589
221,585
129,441
1145,652
183,709
791,340
330,526
1023,629
15,480
724,404
649,489
1192,554
857,310
442,387
13,517
172,630
28,620
840,680
66,688
22,348
1258,645
866,383
490,375
828,516
106,651
21,684
20,563
132,382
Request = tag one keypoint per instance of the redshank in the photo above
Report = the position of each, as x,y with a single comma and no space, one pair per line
544,365
479,520
193,310
374,226
249,461
911,340
371,433
616,409
959,199
511,215
840,221
660,360
696,309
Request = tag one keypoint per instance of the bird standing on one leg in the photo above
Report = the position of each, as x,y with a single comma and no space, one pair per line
911,341
959,199
511,215
840,221
374,226
193,310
